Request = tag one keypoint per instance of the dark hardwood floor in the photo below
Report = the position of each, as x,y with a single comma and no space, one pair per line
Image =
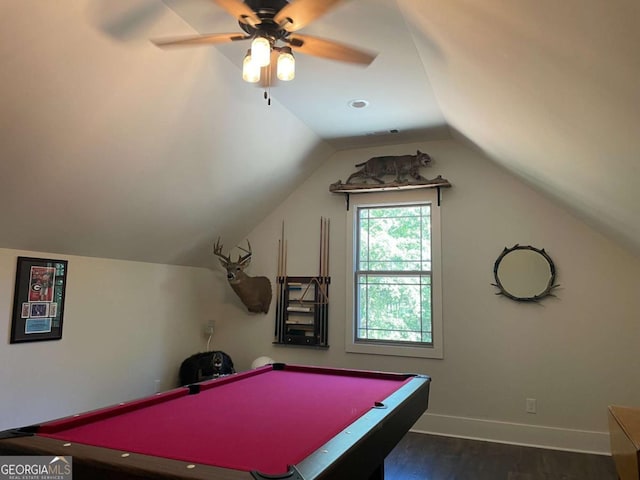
431,457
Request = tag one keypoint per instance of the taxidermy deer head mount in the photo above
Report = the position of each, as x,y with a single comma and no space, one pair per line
255,292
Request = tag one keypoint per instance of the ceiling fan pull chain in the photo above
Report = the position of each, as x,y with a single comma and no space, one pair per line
267,87
267,95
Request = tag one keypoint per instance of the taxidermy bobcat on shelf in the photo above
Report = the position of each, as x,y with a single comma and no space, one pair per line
205,365
399,165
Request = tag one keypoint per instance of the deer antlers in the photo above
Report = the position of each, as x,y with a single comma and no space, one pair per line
242,259
217,251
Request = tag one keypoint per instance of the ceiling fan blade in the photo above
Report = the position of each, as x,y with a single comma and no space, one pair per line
240,10
319,47
299,13
200,40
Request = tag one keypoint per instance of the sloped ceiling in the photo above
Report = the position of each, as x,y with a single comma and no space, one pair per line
550,90
112,147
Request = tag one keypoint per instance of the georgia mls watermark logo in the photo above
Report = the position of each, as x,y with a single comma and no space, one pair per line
36,468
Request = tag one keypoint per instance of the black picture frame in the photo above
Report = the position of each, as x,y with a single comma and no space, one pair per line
38,300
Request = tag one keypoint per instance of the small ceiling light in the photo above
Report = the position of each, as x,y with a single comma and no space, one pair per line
261,51
250,71
358,103
286,65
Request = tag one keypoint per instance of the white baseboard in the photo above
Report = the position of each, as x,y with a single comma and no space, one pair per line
583,441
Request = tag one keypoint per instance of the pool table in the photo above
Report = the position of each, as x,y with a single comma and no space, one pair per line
279,421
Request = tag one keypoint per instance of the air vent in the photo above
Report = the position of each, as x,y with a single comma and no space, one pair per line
358,103
384,132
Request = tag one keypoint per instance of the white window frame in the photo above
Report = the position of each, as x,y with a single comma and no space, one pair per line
397,349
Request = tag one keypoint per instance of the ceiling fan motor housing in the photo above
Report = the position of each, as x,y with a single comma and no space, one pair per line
266,10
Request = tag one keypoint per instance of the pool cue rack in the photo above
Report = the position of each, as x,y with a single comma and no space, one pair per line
302,309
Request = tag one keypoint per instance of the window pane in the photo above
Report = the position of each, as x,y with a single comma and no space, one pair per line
394,308
394,239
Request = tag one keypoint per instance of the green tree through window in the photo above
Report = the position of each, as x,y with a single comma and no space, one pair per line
393,275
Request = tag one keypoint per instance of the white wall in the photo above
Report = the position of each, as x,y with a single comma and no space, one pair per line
126,324
575,354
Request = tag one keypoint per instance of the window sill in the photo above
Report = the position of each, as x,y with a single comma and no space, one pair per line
394,350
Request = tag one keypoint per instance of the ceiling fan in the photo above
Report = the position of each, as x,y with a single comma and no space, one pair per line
271,22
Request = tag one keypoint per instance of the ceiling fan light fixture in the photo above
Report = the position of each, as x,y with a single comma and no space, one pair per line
286,69
269,23
261,51
250,71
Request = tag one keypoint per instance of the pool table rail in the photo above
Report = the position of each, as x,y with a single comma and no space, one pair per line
97,463
358,452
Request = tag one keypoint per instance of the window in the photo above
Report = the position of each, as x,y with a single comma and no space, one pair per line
395,299
393,274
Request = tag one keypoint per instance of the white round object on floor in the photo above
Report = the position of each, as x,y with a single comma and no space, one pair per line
261,362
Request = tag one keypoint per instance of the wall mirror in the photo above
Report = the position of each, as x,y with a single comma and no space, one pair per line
524,273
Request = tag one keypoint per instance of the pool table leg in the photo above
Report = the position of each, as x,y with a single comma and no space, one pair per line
378,473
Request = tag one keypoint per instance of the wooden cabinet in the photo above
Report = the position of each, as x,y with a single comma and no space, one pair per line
624,430
302,311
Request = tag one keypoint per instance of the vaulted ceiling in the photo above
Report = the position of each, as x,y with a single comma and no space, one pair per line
112,147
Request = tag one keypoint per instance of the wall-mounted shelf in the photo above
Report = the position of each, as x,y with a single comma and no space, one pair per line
302,311
350,188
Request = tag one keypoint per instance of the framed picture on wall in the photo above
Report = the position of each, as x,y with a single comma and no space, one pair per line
38,300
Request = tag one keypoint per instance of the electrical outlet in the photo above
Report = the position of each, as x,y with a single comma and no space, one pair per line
156,385
531,405
208,329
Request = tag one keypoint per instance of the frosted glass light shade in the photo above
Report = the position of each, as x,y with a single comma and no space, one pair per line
261,51
250,71
286,65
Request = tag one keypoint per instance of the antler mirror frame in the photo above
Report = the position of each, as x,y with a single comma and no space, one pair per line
524,273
